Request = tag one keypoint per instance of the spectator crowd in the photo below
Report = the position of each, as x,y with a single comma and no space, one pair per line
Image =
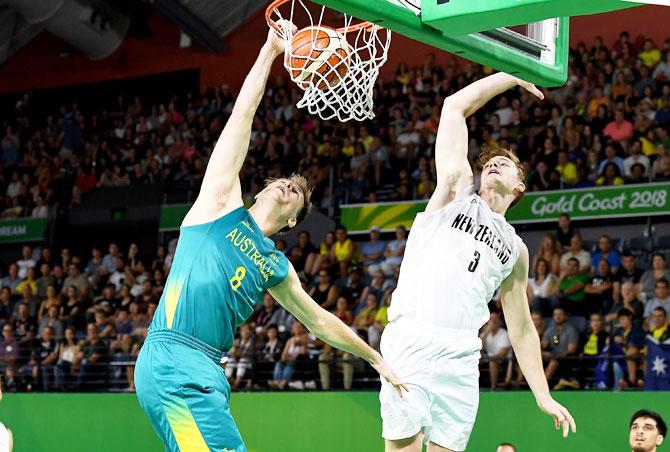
78,322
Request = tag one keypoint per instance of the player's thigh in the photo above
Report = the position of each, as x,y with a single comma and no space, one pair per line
412,444
211,415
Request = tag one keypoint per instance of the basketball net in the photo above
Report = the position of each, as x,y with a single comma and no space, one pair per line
349,96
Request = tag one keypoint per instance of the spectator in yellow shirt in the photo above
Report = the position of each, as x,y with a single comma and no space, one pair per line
650,55
566,168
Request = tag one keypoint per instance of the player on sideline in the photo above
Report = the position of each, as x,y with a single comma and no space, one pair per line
459,251
222,266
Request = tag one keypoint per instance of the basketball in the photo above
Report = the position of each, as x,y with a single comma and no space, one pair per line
318,52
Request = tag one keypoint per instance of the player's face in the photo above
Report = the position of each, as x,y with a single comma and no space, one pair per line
644,435
285,196
501,171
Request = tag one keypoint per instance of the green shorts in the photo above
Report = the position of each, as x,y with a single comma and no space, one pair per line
183,389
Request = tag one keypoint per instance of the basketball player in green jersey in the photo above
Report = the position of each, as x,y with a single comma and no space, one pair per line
222,267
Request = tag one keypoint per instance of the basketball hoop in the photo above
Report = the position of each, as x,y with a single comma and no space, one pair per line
338,80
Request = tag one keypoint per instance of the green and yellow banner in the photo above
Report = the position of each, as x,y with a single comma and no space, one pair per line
539,207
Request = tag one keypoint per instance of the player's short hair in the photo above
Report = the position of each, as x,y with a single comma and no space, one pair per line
660,423
490,151
306,190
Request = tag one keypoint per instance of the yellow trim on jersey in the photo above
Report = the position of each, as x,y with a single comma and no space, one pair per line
173,291
185,430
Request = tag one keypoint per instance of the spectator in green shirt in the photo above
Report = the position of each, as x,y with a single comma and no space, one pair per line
571,288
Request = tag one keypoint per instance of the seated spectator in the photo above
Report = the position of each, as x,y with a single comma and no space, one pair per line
496,349
295,347
301,252
565,231
6,305
124,353
76,278
571,286
577,251
610,176
241,357
599,290
636,157
630,337
649,278
91,358
326,257
660,329
559,342
566,168
620,129
10,350
381,320
325,292
67,353
394,251
541,287
372,252
343,312
12,279
595,341
606,252
52,299
661,300
29,282
25,327
550,252
628,272
43,360
26,262
44,281
366,316
353,288
51,320
344,250
627,300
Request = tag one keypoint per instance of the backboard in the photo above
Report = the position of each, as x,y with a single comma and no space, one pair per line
536,49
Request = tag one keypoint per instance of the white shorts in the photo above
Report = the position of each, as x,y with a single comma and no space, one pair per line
441,369
5,439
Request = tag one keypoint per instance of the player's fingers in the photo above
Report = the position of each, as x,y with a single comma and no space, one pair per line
557,424
571,420
566,427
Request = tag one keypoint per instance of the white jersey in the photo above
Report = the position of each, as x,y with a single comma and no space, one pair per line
455,260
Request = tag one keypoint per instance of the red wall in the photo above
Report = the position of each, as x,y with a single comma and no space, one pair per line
38,64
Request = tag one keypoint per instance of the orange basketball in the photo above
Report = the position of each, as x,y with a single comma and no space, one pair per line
319,55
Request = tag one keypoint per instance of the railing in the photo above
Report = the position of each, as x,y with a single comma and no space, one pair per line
309,373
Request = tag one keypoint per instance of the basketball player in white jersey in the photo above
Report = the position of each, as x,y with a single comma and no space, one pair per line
459,251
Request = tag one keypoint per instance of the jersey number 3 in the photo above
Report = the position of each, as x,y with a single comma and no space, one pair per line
473,265
236,281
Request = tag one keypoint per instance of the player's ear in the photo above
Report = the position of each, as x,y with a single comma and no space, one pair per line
520,187
292,222
659,440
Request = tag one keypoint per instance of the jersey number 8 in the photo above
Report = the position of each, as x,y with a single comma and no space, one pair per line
236,281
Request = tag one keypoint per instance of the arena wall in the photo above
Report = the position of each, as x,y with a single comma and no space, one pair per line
317,421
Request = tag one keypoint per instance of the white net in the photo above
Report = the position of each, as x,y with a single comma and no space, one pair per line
339,79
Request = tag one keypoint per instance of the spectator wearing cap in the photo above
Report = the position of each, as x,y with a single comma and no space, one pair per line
372,252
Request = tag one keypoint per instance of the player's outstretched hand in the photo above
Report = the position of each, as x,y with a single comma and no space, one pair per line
274,38
531,88
387,374
562,417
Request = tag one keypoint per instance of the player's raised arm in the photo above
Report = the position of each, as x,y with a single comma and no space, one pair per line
329,328
526,342
221,189
451,146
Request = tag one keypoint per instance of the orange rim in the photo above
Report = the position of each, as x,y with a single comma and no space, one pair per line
277,3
